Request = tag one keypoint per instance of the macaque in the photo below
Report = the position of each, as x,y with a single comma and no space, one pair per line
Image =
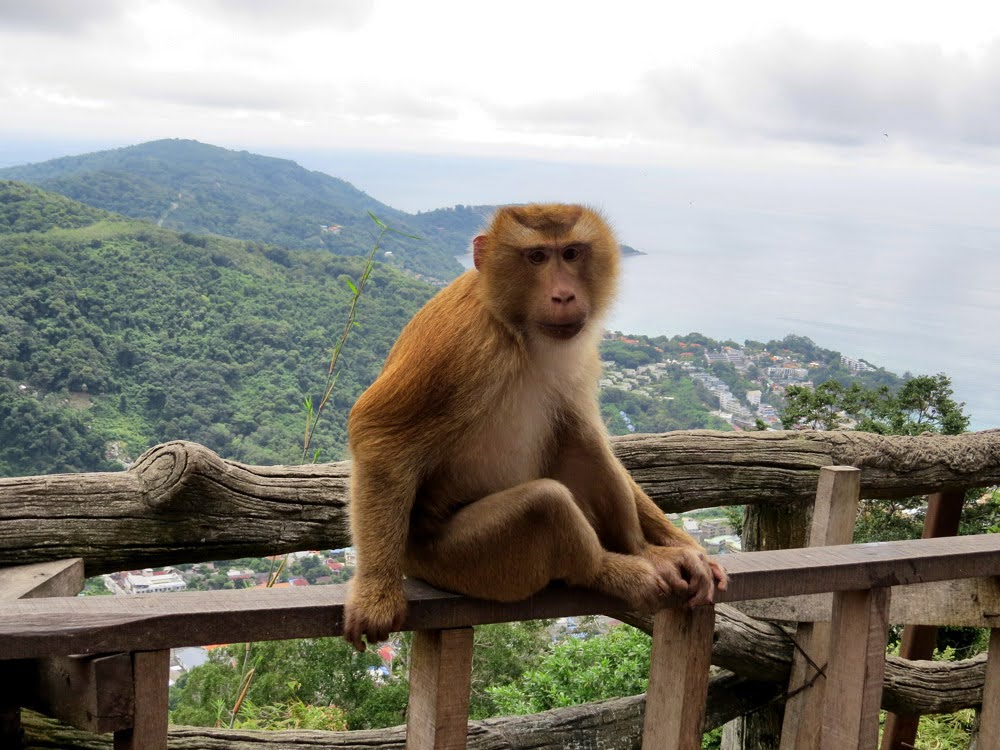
480,460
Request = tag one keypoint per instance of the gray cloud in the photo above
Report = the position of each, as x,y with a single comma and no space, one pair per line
57,15
840,93
793,88
289,15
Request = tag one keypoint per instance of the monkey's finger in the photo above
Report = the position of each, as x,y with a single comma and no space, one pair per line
702,586
354,639
671,575
719,574
352,633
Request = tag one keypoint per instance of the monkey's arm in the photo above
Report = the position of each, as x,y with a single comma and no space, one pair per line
381,500
656,527
661,533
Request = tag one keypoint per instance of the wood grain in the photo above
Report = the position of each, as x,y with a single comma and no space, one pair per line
53,578
440,680
48,627
180,502
857,664
833,518
678,677
965,603
150,675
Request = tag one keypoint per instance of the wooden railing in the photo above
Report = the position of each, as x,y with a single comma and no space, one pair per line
156,513
41,632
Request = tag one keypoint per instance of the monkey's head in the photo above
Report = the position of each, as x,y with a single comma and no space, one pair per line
548,269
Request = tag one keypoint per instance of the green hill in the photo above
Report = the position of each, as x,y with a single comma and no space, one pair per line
116,330
194,187
117,334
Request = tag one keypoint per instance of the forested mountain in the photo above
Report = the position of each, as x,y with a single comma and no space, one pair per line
113,329
194,187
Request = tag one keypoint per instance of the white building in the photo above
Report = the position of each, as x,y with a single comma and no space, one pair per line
150,582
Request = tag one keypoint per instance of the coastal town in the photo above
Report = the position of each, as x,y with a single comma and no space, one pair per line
750,398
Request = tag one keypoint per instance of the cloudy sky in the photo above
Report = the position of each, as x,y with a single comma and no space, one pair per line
828,169
608,82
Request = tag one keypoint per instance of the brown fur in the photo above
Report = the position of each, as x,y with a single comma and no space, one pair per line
481,463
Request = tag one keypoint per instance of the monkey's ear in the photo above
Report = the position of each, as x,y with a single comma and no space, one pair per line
478,248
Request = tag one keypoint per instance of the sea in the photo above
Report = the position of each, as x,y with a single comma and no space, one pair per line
897,265
911,302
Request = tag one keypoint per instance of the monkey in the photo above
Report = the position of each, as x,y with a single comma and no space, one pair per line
480,462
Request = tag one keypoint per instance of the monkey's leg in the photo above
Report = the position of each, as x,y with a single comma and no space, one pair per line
512,544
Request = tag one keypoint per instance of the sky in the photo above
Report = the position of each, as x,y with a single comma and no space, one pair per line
788,147
891,83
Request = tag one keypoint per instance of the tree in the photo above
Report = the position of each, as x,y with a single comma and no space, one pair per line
580,671
326,671
921,404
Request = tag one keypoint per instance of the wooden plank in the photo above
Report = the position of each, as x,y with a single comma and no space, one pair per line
756,575
970,603
89,692
857,667
989,719
151,676
440,680
678,685
838,495
944,512
102,624
56,578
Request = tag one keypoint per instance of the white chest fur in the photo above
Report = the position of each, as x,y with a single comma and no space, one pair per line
515,438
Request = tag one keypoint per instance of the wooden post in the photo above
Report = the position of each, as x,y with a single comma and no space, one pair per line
838,495
151,677
440,680
678,678
10,708
54,578
944,512
989,719
857,667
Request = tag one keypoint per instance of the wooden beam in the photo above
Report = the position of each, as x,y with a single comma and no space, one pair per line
678,678
989,720
105,624
54,578
151,676
180,502
834,514
757,575
944,513
93,692
440,681
857,666
968,603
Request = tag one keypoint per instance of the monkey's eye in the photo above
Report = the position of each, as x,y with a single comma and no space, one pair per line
571,253
537,257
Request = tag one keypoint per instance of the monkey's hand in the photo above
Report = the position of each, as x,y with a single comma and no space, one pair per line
687,570
373,610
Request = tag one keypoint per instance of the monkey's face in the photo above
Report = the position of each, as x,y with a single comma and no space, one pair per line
560,305
548,269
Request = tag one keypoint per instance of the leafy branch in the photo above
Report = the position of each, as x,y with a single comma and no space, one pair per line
313,414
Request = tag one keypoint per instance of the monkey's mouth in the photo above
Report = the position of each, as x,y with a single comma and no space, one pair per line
562,330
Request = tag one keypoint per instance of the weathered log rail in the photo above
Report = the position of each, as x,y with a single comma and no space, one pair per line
180,502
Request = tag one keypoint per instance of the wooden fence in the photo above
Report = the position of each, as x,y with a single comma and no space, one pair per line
116,679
